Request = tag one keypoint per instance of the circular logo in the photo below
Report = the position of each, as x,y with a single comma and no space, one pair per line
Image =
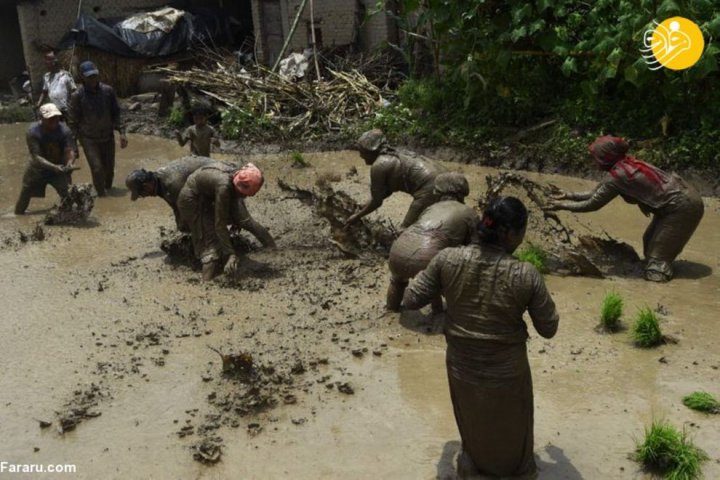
677,43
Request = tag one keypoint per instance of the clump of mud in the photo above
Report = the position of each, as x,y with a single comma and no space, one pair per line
244,387
179,249
81,407
568,251
75,208
336,206
36,235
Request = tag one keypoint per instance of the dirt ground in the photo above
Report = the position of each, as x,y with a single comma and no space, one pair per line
104,338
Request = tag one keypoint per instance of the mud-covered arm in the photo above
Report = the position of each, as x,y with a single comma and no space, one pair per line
74,114
36,159
379,191
183,137
70,147
541,306
223,197
601,196
579,195
426,285
214,137
116,114
243,219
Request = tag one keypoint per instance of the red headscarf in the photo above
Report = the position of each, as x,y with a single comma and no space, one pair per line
607,150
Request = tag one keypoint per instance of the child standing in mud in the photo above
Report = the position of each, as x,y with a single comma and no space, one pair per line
200,134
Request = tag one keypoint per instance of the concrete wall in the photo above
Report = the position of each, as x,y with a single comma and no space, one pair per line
338,23
45,22
11,51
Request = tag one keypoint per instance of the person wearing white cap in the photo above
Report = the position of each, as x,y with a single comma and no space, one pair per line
93,116
52,157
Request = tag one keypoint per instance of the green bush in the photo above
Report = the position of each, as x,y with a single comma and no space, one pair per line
176,118
646,331
533,255
612,310
16,113
702,402
669,452
238,123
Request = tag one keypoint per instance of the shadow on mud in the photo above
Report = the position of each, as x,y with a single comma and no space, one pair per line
560,468
691,270
446,464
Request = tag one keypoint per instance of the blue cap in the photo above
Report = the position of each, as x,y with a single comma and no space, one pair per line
88,69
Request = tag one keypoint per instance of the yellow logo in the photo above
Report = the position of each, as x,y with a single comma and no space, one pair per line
677,44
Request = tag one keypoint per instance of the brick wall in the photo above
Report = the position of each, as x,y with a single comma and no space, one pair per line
47,21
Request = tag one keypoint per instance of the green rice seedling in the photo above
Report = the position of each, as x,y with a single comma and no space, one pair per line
533,255
669,452
612,310
176,118
646,330
702,402
298,161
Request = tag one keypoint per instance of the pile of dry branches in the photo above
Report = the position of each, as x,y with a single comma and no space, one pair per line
285,107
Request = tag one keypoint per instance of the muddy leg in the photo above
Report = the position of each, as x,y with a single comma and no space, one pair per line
23,202
437,305
395,293
108,159
93,154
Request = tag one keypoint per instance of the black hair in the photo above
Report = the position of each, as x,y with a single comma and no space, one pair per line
503,213
200,108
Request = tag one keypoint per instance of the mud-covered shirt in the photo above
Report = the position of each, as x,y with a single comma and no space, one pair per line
637,182
214,184
402,172
59,86
452,220
487,292
95,114
200,138
50,145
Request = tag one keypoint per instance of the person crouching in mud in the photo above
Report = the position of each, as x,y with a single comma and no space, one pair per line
167,182
447,223
391,172
205,205
677,208
487,291
52,158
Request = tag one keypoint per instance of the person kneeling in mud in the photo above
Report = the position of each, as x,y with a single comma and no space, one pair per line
170,179
393,171
677,208
447,223
205,204
52,158
487,292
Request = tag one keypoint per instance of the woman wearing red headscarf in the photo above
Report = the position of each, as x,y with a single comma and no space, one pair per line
676,207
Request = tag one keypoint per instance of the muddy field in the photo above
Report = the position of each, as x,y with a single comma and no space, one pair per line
105,339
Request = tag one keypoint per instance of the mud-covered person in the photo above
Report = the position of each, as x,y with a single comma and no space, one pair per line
487,292
447,223
205,204
676,207
52,157
93,117
168,181
58,85
392,171
201,135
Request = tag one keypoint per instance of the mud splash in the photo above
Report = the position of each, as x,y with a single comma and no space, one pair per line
585,255
75,208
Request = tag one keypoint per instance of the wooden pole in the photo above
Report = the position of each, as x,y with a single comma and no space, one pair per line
312,37
290,35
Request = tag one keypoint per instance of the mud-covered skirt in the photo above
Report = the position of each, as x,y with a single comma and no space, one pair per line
492,396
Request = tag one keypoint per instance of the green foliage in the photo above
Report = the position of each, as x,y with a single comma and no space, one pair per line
16,113
669,452
297,159
176,118
612,310
702,402
534,255
646,330
239,123
500,66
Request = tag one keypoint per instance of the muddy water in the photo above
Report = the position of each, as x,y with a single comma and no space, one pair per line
76,299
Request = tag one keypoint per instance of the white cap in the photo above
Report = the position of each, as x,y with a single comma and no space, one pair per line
49,110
